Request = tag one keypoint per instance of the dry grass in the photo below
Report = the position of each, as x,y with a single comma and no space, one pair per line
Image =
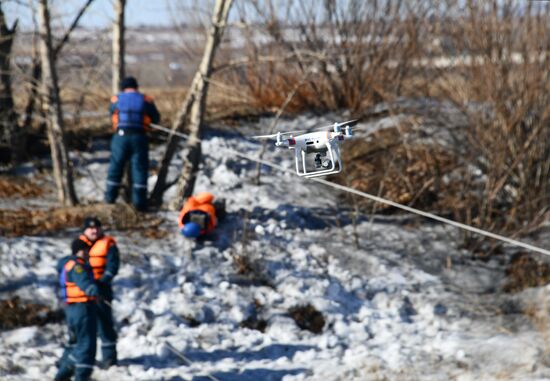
308,317
38,222
526,271
15,313
388,167
539,314
11,186
505,96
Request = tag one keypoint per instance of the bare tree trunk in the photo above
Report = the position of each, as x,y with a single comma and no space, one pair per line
36,72
62,167
118,72
35,83
192,151
172,144
11,133
118,67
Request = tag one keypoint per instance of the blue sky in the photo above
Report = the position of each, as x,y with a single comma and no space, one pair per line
100,13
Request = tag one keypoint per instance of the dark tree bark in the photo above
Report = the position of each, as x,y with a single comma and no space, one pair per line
11,138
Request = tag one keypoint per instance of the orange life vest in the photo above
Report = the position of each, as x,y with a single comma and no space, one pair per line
71,293
98,253
201,202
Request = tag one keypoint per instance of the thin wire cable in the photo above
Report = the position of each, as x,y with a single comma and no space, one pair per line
172,349
379,199
186,359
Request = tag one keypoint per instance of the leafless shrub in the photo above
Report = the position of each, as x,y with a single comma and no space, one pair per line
525,271
359,52
539,313
501,83
308,317
17,313
18,222
254,321
406,173
490,60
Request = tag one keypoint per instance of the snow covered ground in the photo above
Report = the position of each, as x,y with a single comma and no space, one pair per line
406,303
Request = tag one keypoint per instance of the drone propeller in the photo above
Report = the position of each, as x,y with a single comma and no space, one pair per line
349,123
277,134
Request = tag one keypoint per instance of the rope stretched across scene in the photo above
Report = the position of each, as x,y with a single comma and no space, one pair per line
409,209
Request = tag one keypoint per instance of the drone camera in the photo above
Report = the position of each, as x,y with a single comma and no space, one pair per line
318,161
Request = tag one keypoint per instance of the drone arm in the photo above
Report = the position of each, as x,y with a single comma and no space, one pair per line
286,143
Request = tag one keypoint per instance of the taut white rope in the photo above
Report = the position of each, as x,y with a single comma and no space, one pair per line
381,200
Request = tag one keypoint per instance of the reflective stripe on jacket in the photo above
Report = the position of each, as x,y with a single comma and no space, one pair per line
201,202
98,253
70,292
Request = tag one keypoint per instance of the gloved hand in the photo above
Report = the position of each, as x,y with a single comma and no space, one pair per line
92,291
106,278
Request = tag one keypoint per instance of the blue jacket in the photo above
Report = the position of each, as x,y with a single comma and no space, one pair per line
132,109
113,262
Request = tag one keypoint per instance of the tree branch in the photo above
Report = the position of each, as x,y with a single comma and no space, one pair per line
73,26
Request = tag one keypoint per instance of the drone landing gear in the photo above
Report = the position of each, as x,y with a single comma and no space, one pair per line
324,163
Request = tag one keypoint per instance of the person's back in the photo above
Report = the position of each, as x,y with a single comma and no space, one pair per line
131,113
198,216
73,287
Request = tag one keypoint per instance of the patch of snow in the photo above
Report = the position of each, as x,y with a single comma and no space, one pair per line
393,308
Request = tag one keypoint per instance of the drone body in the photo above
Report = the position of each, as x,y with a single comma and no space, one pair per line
316,153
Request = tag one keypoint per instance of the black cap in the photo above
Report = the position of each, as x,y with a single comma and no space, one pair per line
78,245
91,222
128,83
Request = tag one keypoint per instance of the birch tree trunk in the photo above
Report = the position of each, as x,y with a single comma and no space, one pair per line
118,70
192,151
62,168
36,72
118,67
172,144
11,133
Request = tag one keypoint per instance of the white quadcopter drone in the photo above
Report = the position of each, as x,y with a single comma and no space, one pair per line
317,153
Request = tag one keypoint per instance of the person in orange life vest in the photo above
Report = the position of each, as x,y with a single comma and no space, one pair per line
131,113
79,293
103,257
198,216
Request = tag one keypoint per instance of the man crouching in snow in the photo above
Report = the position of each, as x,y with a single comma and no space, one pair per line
199,215
79,293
